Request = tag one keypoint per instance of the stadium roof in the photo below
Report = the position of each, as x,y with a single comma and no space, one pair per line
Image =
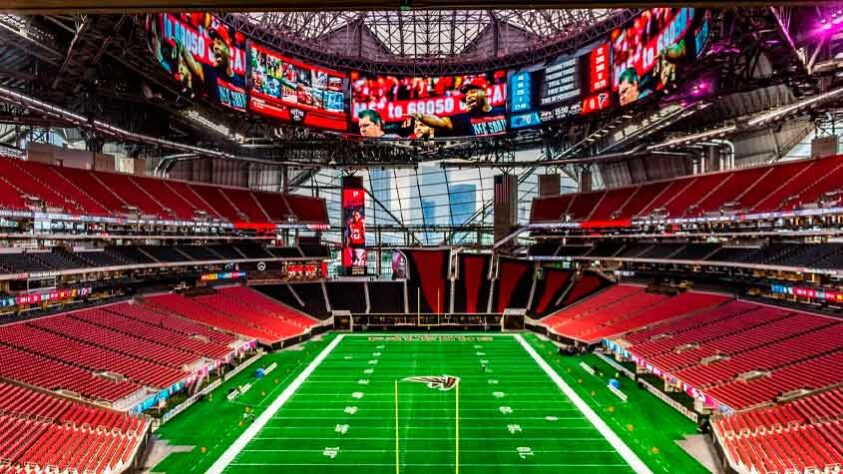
431,34
135,6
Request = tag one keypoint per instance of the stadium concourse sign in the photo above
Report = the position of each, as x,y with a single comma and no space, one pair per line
138,6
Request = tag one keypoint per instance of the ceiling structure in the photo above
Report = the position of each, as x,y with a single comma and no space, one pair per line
139,6
776,69
429,34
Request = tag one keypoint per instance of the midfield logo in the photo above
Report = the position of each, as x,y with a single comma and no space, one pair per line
436,382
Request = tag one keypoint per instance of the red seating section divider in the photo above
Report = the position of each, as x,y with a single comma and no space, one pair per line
472,267
554,282
510,272
429,271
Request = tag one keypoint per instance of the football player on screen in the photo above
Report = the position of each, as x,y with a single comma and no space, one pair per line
479,118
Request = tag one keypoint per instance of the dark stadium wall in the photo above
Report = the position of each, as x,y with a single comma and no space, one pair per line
513,284
310,294
471,291
350,296
428,275
386,296
281,293
549,289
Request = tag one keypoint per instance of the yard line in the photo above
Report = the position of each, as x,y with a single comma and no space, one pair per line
444,418
415,438
380,451
241,442
630,457
492,465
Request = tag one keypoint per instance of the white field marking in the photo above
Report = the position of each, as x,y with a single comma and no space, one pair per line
476,396
585,426
539,418
484,451
416,438
428,410
405,464
264,418
630,457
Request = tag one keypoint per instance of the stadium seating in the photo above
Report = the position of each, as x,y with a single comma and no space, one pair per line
810,374
47,260
238,310
37,340
780,187
28,185
17,401
177,325
780,254
256,300
42,433
743,353
178,305
111,318
50,374
282,324
75,326
623,308
797,436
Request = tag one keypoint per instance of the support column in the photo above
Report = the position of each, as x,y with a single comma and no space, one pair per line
506,205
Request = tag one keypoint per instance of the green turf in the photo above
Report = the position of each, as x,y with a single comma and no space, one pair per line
324,427
215,423
645,423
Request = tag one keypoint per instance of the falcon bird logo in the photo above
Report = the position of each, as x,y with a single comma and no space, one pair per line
442,383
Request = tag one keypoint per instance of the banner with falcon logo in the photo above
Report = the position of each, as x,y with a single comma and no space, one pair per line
437,382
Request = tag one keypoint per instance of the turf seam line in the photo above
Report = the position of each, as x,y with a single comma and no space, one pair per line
626,453
232,451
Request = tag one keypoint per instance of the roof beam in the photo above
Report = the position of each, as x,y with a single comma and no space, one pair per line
138,6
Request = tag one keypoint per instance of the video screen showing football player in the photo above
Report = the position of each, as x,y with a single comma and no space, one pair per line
479,119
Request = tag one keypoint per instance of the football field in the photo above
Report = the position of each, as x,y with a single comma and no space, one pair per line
428,404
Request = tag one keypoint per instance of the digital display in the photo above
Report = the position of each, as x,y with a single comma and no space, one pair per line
354,228
38,298
293,91
304,271
429,107
204,55
566,87
647,55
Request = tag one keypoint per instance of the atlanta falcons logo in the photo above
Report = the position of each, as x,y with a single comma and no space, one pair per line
437,382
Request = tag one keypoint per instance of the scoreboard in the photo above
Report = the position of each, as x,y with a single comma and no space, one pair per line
565,87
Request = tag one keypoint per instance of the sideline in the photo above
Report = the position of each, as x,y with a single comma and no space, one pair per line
630,457
228,456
